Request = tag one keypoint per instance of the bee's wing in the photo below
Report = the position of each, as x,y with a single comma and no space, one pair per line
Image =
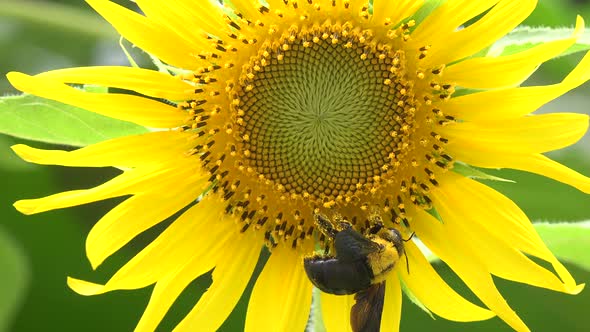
352,246
365,315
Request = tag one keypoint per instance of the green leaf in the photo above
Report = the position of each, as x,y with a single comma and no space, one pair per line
470,172
37,119
14,279
568,240
524,38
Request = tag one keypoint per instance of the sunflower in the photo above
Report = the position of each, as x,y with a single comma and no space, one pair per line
271,112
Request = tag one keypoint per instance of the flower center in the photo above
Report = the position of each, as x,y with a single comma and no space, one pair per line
323,116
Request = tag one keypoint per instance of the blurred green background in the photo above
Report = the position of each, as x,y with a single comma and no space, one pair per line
38,252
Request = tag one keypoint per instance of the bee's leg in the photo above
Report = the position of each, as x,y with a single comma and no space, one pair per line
376,224
341,223
327,231
325,225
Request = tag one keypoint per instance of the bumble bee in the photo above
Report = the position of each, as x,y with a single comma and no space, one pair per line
360,266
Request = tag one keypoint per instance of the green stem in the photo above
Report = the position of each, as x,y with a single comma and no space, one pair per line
58,16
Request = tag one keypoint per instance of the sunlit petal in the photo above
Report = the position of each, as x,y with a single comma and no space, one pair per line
172,250
143,111
288,309
534,163
446,245
109,235
115,152
230,277
432,291
394,11
506,238
501,104
148,82
336,311
150,35
478,73
526,135
502,18
392,305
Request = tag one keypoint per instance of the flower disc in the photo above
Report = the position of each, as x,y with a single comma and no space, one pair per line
321,116
320,120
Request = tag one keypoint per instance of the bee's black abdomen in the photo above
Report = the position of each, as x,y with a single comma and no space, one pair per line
334,277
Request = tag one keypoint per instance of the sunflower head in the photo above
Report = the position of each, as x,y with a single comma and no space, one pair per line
267,114
312,111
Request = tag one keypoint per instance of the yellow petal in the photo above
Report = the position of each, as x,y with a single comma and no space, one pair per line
248,8
129,151
150,36
189,19
167,291
208,15
140,110
336,311
534,163
392,305
277,4
289,12
445,19
131,218
500,20
394,10
482,72
498,233
514,102
281,297
531,134
84,287
230,278
130,182
471,270
430,289
148,82
199,233
123,184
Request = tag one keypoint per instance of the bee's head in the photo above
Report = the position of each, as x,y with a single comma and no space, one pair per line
394,236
